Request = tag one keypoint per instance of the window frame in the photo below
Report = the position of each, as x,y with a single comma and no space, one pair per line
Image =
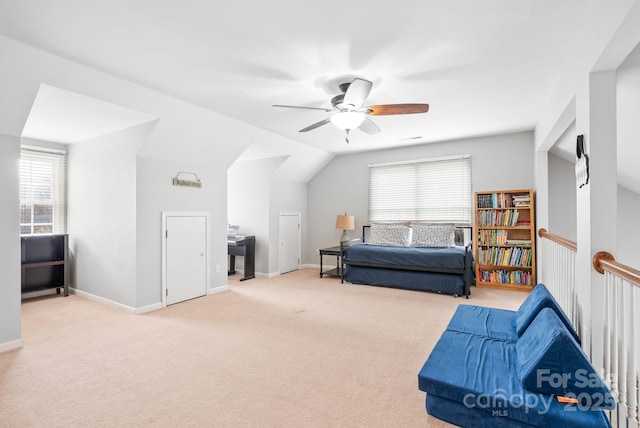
404,191
30,179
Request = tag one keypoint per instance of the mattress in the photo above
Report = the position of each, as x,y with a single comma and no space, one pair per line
428,257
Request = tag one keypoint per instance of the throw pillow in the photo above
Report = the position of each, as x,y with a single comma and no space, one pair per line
393,235
432,235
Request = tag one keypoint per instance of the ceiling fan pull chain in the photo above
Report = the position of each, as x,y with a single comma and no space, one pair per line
347,137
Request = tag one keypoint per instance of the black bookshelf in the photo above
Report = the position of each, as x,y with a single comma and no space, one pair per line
44,260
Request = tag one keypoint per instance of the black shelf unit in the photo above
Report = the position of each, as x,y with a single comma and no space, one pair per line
44,260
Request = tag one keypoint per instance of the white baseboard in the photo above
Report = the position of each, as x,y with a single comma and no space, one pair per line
104,301
148,308
136,311
10,346
277,273
218,289
260,274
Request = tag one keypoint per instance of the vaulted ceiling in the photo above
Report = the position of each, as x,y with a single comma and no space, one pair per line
483,67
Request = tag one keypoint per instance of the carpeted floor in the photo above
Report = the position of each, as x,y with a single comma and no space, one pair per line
292,351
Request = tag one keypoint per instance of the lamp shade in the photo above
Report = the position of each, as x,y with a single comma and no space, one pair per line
345,222
347,119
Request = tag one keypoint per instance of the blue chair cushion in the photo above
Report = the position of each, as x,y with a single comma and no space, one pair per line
550,361
483,321
481,374
540,298
470,415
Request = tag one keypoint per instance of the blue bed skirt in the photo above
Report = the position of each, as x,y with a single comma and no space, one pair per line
410,280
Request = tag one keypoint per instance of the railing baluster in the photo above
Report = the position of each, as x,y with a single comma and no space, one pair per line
608,322
622,337
620,365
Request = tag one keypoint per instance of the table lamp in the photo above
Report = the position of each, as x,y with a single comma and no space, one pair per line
345,222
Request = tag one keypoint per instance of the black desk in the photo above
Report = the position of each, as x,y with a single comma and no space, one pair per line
244,246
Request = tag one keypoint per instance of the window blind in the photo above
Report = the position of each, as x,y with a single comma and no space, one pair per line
435,191
42,191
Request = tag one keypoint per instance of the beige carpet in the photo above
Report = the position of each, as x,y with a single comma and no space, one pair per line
293,351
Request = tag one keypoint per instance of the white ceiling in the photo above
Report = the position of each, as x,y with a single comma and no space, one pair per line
66,117
484,67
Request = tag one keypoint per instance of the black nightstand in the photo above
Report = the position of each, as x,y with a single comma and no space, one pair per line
332,251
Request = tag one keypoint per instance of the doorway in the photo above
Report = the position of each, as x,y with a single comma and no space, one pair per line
185,256
289,242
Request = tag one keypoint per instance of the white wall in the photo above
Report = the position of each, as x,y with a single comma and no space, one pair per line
586,91
185,135
285,196
9,243
155,194
497,162
249,188
628,227
562,198
256,197
101,215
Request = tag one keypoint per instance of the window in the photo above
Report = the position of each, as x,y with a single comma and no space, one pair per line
435,190
42,191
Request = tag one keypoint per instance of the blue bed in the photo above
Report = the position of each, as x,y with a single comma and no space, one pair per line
442,270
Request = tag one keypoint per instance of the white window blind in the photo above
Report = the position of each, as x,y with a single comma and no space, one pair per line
436,191
42,191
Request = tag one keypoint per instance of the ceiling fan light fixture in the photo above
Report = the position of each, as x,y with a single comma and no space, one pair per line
347,119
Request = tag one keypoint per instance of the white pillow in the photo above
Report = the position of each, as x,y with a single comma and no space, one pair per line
433,235
392,235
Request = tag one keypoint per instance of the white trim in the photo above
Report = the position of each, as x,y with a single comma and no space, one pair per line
218,289
299,255
149,308
102,300
165,214
10,346
113,304
42,149
261,274
310,266
443,158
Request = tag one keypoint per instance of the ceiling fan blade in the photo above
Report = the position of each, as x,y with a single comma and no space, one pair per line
315,125
386,109
307,108
357,93
368,127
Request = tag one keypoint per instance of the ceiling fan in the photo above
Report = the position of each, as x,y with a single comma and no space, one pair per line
351,113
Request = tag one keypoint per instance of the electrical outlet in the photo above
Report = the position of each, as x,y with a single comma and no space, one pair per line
217,268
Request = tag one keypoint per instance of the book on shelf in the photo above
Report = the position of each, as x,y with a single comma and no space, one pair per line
485,201
499,200
519,242
505,256
521,200
493,218
514,277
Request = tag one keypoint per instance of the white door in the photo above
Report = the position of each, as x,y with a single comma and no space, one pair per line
185,257
289,242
